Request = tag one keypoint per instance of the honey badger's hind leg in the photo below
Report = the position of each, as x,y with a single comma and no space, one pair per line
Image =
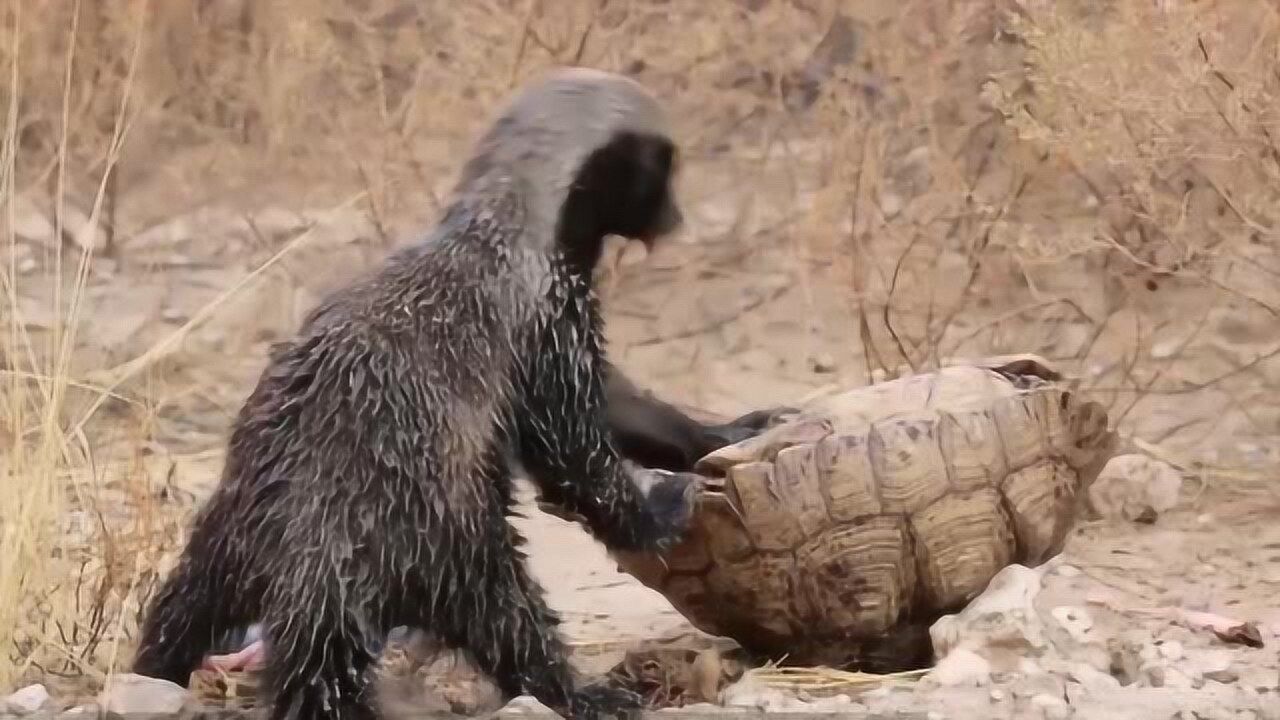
323,644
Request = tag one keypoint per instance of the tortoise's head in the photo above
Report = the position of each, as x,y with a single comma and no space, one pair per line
592,156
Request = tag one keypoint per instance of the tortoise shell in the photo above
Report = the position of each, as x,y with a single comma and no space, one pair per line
880,506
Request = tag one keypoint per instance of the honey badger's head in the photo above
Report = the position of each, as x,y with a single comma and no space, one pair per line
593,156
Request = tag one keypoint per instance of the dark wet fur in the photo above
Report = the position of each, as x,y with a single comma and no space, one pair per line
367,482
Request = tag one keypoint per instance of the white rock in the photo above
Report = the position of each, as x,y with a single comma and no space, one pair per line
1003,615
1075,620
751,693
1213,660
1051,707
1132,485
27,700
961,667
1041,683
82,711
524,705
1167,676
1068,571
131,694
1171,650
1091,678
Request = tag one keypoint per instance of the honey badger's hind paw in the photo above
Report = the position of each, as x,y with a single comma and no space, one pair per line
598,702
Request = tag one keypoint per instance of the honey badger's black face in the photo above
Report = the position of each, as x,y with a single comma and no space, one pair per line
622,188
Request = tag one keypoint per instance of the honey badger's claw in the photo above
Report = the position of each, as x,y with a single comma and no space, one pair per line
671,499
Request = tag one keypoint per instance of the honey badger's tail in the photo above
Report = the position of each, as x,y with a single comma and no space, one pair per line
192,611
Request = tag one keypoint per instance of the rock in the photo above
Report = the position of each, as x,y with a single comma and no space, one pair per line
1135,487
1225,676
1170,650
524,705
751,693
822,363
27,700
961,667
130,694
81,712
1091,678
1076,621
1067,571
1166,676
1041,683
1001,624
1051,707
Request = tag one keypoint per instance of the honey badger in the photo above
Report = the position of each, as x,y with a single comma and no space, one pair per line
369,473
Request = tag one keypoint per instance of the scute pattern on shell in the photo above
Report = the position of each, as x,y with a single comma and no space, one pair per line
882,506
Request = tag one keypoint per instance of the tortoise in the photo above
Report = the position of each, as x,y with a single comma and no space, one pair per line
838,534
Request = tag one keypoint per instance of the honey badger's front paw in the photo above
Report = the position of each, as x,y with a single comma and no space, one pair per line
670,499
748,425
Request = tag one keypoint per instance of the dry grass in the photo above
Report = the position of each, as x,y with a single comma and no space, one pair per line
922,180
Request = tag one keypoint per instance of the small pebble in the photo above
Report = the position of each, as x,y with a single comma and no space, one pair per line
822,363
1225,676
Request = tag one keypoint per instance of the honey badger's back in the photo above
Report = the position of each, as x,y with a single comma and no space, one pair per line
398,389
